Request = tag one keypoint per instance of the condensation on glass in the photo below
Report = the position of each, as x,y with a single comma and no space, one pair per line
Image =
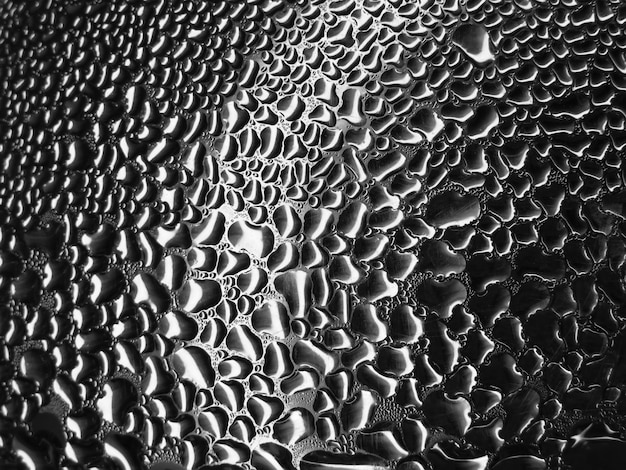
352,234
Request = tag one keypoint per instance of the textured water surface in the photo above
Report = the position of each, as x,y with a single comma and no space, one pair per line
279,235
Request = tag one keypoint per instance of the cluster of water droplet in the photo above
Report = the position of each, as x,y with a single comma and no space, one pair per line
314,234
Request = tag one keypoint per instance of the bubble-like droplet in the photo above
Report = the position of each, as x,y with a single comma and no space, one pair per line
474,42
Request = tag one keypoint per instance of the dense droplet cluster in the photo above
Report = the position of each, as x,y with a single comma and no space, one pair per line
312,234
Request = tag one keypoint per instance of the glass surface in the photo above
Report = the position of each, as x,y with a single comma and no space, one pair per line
279,235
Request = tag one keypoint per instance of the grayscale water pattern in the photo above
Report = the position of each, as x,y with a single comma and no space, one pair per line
312,234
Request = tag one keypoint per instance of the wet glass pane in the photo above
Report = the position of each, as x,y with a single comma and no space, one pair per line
312,234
